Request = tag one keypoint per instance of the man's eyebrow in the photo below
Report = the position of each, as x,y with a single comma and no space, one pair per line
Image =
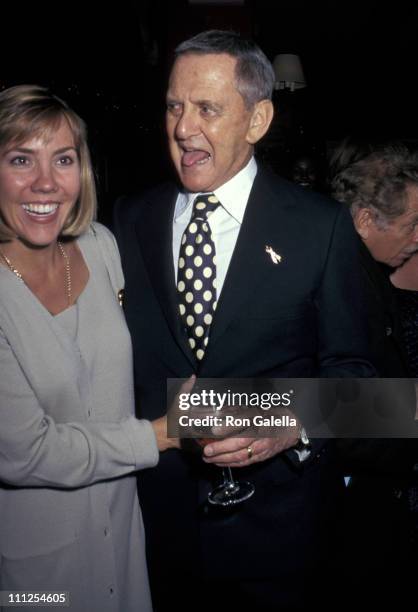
411,212
410,220
210,103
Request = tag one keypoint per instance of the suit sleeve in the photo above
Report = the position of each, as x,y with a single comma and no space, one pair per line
341,307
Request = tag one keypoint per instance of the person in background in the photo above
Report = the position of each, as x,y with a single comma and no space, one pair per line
405,279
274,303
69,441
304,172
381,190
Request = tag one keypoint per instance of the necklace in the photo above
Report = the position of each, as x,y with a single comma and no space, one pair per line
67,270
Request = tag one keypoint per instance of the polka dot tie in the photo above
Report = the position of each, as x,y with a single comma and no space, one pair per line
196,277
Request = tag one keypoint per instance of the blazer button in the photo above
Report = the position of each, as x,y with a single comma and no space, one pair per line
388,331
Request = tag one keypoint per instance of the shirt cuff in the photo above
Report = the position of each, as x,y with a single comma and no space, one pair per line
303,449
303,454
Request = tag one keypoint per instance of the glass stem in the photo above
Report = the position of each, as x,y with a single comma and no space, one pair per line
228,478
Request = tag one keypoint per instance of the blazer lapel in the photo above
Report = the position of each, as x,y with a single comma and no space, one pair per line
155,234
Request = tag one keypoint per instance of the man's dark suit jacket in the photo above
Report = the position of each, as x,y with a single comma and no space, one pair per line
386,343
303,317
377,517
384,458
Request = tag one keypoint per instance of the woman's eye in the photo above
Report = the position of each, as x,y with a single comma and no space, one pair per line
65,160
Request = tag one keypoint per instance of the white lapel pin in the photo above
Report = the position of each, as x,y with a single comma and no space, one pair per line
275,257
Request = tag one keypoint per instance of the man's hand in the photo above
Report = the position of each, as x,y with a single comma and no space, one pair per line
240,452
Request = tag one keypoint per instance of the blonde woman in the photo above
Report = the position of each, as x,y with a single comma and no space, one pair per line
69,441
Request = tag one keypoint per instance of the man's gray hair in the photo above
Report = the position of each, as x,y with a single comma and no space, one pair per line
254,74
379,181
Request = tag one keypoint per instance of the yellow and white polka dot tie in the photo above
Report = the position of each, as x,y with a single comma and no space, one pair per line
196,278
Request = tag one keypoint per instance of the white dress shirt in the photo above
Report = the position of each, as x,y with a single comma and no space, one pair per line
225,222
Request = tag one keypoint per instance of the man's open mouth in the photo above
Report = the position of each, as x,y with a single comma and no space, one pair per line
195,157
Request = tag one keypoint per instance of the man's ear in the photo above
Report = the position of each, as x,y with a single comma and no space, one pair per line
261,118
363,221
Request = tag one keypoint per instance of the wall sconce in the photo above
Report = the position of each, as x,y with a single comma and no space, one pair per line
289,72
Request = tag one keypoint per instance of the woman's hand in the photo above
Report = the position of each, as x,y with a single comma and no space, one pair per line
160,424
160,430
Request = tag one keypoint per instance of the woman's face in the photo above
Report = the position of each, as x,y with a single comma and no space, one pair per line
39,185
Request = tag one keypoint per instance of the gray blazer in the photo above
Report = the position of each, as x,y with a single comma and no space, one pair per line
69,443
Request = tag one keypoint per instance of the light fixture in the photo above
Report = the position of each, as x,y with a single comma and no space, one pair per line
289,72
216,2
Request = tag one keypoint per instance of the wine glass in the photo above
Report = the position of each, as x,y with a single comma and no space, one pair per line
230,491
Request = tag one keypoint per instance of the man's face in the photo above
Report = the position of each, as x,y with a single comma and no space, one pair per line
304,172
207,122
395,243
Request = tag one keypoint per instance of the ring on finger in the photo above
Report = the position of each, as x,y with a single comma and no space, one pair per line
249,452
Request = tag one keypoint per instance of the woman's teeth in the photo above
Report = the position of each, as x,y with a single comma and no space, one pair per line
40,209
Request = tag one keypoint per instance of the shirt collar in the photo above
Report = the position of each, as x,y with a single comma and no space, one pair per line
233,195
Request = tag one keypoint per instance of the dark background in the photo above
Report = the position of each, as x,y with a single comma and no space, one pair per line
110,62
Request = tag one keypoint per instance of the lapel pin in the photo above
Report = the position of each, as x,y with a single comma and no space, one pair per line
275,257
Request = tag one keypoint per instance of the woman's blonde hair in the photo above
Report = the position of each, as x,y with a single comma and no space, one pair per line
31,110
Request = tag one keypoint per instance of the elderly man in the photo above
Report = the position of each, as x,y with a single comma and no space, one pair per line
276,302
381,190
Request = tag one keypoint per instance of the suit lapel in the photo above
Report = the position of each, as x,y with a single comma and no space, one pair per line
155,234
264,224
250,265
